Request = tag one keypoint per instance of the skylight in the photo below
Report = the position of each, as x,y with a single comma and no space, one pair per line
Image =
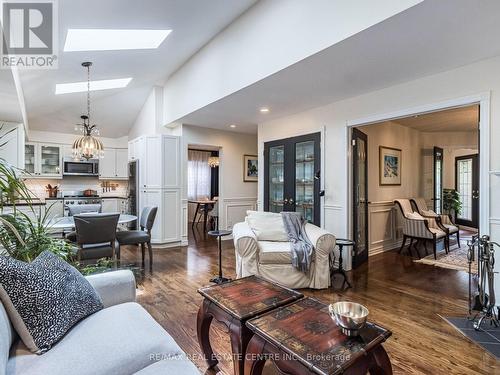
105,84
113,39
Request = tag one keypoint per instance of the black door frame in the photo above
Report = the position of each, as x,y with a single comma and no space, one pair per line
289,172
359,258
436,150
474,223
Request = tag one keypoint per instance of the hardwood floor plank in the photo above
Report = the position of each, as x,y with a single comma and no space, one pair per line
407,298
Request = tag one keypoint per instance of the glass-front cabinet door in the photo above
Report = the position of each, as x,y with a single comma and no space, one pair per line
276,178
29,158
50,160
292,176
43,160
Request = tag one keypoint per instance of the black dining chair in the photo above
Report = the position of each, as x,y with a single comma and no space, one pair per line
77,209
140,237
96,235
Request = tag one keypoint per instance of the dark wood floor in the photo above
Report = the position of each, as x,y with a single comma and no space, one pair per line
406,297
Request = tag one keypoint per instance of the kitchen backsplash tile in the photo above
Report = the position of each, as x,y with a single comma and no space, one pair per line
37,186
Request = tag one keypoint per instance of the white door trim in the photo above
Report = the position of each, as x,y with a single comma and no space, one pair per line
483,99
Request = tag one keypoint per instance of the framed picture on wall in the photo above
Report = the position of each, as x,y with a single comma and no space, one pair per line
389,166
250,168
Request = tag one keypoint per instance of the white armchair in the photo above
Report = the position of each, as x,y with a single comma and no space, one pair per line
262,249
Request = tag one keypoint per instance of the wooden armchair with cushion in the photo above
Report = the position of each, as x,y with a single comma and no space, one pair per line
444,221
416,227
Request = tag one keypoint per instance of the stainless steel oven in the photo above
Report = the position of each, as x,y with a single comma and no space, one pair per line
81,168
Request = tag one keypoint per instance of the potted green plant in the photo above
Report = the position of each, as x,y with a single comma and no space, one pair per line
452,205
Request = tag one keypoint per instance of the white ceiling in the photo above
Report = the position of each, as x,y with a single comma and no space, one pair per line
431,37
193,24
463,119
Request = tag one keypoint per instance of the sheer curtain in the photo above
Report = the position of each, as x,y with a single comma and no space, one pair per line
199,174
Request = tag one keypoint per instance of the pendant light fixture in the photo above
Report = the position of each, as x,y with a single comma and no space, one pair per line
87,146
213,161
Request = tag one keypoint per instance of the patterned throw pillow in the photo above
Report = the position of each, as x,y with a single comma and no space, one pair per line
45,298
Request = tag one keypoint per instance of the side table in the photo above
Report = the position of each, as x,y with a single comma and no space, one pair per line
341,242
219,234
232,304
302,338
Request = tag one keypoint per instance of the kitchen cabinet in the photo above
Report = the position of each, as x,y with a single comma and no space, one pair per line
159,164
12,150
43,160
153,197
113,164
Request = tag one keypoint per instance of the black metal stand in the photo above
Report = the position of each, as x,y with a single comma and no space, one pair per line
219,234
341,243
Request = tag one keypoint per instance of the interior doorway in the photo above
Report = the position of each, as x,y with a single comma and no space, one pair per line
421,151
203,184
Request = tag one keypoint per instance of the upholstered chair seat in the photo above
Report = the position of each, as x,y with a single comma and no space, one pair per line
139,237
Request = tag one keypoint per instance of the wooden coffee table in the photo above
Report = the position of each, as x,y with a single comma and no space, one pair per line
302,338
232,304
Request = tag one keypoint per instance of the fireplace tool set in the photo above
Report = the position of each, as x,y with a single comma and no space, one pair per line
484,301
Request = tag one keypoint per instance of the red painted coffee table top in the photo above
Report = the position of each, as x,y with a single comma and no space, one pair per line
306,332
249,296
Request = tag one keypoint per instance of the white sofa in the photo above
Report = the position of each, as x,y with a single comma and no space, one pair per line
120,339
262,249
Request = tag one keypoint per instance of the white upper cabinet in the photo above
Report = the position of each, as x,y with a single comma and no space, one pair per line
42,160
152,162
121,163
12,150
107,164
114,164
171,161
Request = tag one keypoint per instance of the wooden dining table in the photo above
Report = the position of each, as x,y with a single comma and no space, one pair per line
205,203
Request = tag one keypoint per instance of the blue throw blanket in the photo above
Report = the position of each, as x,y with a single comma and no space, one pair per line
301,246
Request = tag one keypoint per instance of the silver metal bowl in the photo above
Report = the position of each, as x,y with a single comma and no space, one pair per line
350,316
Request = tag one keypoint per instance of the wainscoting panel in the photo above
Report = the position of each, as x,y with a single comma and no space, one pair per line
184,225
384,227
234,210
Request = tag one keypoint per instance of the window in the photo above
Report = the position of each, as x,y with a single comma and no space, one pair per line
464,187
199,175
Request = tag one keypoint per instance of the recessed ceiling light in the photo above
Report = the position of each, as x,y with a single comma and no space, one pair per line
232,126
264,110
105,84
112,39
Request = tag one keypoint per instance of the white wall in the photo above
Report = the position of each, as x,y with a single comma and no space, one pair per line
270,36
149,119
236,196
390,134
469,80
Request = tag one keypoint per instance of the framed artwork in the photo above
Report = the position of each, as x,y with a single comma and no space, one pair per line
250,168
389,166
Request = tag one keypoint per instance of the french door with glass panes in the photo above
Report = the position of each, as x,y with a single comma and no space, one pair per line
292,176
467,185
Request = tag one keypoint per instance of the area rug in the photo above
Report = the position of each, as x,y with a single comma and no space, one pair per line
456,259
488,339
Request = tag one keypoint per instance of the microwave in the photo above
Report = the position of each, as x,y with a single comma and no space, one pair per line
74,167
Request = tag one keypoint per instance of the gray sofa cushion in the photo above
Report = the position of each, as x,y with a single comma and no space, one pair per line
121,339
176,366
45,298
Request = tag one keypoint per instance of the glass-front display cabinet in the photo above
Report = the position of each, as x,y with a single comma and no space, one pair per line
43,160
292,176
